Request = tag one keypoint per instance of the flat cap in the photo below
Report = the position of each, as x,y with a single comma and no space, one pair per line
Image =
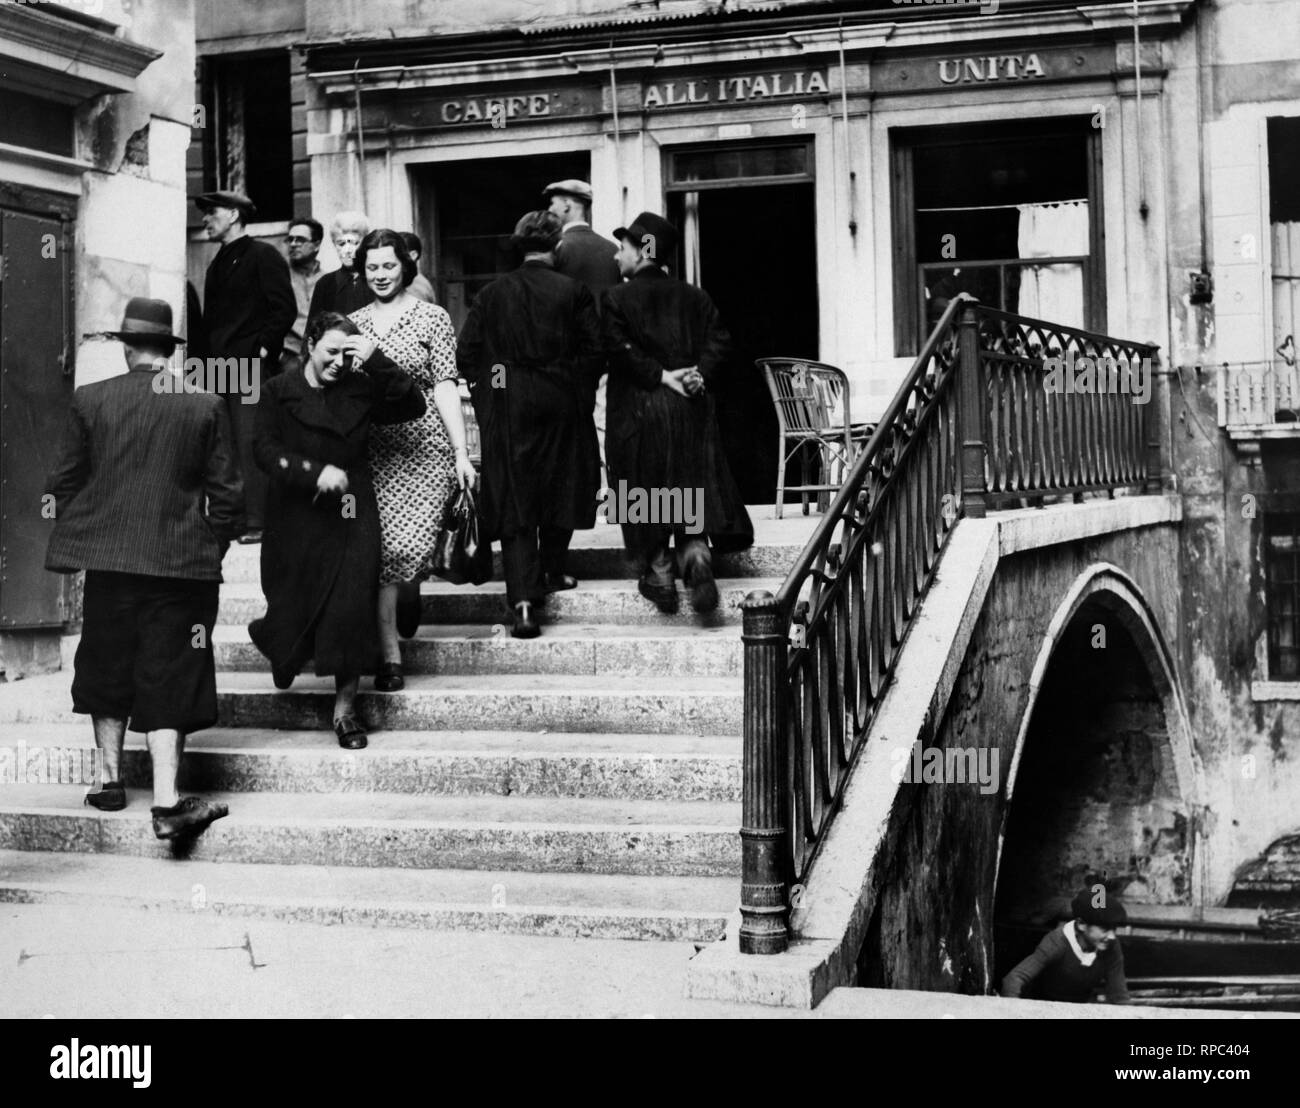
223,199
572,187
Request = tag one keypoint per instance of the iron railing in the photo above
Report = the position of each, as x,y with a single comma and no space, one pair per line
978,422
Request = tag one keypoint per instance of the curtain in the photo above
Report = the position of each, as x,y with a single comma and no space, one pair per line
1053,292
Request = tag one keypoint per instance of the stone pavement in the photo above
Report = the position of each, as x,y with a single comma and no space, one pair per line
68,962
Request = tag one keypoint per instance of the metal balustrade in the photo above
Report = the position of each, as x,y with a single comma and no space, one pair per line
980,422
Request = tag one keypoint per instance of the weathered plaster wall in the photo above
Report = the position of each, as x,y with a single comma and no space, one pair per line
131,224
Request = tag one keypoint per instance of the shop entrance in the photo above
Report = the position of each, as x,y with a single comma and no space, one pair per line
467,211
749,239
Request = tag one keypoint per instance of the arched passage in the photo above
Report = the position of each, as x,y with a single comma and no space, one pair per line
1103,781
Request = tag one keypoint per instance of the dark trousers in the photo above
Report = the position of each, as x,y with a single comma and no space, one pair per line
529,554
243,419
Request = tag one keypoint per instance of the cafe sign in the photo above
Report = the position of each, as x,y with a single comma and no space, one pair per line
739,88
992,69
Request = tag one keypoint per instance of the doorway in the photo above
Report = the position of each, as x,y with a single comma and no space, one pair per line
468,211
748,223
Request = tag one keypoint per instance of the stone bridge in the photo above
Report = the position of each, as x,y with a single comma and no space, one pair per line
1036,733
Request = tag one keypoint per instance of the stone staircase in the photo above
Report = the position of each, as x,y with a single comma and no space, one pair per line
585,783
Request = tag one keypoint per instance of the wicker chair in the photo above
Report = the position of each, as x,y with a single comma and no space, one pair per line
812,412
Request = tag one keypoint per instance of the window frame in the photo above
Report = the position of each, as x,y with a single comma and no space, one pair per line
908,275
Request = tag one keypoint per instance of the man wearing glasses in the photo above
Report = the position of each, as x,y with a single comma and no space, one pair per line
302,244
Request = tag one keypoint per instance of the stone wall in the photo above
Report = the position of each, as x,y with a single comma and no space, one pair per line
932,927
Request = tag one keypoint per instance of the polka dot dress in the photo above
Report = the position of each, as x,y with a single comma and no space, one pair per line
413,464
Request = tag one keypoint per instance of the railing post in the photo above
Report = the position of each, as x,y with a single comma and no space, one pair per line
763,834
970,413
1159,457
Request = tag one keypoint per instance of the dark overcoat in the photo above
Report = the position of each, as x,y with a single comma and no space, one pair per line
248,302
589,259
320,553
343,291
655,438
530,351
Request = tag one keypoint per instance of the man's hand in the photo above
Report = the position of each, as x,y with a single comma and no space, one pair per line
694,380
332,479
675,380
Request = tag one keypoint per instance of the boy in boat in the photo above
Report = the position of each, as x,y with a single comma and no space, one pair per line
1078,958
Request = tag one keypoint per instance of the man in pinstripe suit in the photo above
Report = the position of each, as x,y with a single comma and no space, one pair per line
147,498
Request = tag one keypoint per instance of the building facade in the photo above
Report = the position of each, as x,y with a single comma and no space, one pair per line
96,109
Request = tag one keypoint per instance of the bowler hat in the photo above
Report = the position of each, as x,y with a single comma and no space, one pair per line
653,235
146,319
1109,914
223,199
569,187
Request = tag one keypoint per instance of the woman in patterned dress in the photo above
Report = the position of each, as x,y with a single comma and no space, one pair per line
417,465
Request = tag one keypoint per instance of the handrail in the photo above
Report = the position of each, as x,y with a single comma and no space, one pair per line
976,423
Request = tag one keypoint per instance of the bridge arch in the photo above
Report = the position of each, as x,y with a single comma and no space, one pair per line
1103,593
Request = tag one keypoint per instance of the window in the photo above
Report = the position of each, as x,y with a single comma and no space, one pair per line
248,143
36,122
1284,222
1008,213
1282,593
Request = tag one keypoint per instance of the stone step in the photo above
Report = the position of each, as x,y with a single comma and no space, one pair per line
599,602
541,835
545,904
599,553
478,648
512,702
448,763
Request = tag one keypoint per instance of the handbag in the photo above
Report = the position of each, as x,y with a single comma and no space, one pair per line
459,556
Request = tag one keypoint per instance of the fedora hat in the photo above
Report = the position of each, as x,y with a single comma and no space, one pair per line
651,234
569,187
223,199
145,319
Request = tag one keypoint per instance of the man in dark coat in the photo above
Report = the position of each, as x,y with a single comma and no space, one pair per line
666,345
345,289
147,498
587,257
248,308
529,350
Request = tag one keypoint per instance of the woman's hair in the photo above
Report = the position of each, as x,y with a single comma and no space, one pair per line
537,232
377,240
349,223
413,243
328,321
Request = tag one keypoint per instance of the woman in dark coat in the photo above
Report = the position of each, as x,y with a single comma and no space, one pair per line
530,350
320,552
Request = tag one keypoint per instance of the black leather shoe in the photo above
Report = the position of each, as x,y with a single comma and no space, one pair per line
111,797
390,677
188,818
408,608
664,596
525,625
704,590
283,678
351,735
558,582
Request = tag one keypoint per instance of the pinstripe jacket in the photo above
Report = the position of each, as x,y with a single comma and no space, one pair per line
133,474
